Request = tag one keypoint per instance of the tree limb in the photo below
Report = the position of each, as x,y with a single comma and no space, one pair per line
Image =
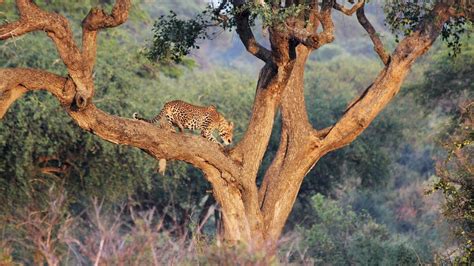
378,45
275,167
78,63
32,18
159,143
98,19
313,22
367,106
246,34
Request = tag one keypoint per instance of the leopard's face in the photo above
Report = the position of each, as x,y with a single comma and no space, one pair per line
227,133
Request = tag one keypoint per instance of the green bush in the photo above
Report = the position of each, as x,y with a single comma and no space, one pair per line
340,236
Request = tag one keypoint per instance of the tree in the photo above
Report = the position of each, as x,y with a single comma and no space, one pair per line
251,214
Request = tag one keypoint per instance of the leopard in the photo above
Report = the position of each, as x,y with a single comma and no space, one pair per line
184,115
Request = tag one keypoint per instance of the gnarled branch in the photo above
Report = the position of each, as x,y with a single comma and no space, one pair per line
248,39
79,63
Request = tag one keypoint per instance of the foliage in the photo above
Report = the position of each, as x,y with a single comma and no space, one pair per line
452,32
124,234
340,236
404,16
457,184
446,93
174,38
272,17
448,82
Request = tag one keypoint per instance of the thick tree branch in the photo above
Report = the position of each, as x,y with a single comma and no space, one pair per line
248,39
272,81
284,176
159,143
32,18
78,63
313,12
378,45
97,18
367,106
22,26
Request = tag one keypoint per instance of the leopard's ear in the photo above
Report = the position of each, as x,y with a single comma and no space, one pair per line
212,107
231,124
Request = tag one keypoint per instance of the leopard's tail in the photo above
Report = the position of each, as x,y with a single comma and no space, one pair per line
152,121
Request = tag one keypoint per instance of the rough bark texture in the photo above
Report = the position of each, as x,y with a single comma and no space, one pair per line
255,215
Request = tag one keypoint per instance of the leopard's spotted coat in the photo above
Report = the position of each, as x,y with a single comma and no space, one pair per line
187,116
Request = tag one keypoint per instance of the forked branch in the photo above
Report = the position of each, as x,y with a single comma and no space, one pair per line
32,18
366,107
79,63
308,36
359,8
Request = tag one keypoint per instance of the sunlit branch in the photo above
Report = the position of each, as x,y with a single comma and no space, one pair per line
366,107
159,143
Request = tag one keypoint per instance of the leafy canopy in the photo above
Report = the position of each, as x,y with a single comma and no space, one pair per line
175,37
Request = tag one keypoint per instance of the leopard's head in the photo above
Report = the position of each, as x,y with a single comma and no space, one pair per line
226,132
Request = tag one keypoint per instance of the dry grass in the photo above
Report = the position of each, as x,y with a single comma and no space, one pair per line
44,231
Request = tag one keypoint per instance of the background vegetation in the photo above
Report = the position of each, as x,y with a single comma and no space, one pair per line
65,193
